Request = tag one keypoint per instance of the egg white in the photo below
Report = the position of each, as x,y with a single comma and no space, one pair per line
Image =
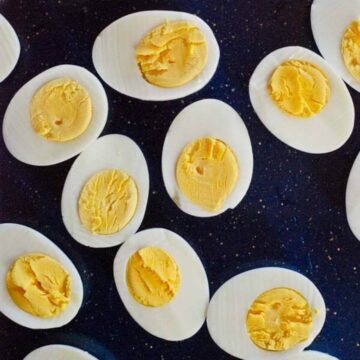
227,312
204,118
353,198
184,315
17,240
115,61
312,355
110,151
29,147
322,133
59,352
9,48
329,21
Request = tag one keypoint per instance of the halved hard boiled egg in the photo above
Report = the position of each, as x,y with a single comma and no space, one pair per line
207,159
59,352
302,101
335,26
266,313
55,116
156,55
40,286
162,283
9,48
106,192
312,355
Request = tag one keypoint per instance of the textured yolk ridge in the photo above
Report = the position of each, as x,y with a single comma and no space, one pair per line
350,48
172,54
60,110
279,319
206,172
152,276
108,202
39,285
299,88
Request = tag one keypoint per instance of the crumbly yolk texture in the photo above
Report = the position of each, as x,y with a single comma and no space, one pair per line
152,276
206,172
108,202
279,319
299,88
172,54
39,285
350,48
61,110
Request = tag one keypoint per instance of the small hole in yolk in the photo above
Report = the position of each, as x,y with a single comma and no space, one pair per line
200,170
58,122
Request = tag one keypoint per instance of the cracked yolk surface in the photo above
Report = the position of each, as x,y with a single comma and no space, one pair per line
350,48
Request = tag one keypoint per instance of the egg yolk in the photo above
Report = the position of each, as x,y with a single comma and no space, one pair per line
299,88
39,285
108,201
152,276
350,48
172,54
279,319
60,110
206,172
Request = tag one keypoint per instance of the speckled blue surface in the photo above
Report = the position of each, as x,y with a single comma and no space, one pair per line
293,215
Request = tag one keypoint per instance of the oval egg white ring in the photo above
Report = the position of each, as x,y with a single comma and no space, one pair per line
9,48
184,315
204,118
115,61
110,151
17,240
29,147
59,352
322,133
329,21
353,198
227,312
312,355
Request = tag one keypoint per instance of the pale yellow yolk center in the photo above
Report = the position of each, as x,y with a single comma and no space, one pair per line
299,88
172,54
206,172
279,319
61,110
108,202
350,48
39,285
152,276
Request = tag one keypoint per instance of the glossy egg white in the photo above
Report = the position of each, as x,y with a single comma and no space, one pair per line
17,240
329,21
312,355
322,133
9,48
29,147
227,312
184,315
59,352
110,151
114,55
204,118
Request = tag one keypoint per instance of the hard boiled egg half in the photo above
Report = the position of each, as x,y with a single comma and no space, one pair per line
312,355
59,352
207,159
40,286
55,115
266,313
162,283
156,55
105,193
302,101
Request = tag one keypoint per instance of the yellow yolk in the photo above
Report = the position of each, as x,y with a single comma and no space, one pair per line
39,285
108,202
299,88
206,172
172,54
350,48
152,276
279,319
60,110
